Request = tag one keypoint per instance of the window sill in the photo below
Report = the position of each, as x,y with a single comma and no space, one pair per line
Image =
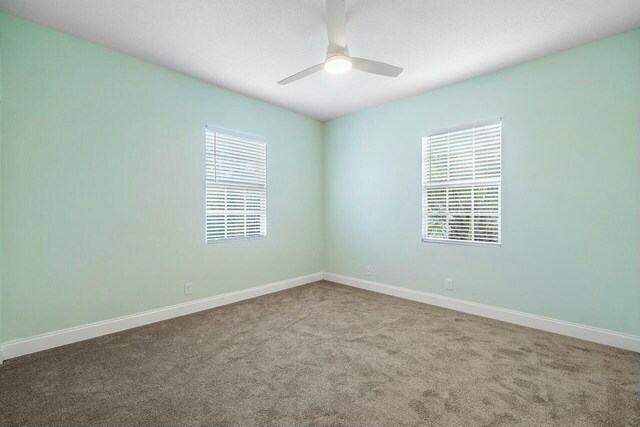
235,239
462,242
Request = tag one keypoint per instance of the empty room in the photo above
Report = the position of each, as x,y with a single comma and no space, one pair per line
371,213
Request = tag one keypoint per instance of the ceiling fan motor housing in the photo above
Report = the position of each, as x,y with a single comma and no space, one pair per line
333,50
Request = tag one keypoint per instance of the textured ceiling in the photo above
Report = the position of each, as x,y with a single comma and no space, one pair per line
247,46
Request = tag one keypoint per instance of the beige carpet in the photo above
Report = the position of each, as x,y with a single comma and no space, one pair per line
325,355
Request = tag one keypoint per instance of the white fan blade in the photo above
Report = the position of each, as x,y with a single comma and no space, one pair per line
301,74
336,23
376,67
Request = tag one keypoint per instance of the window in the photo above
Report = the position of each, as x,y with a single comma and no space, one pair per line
236,186
461,177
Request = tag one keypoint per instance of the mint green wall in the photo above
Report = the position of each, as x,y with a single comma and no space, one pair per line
571,189
101,189
1,268
103,185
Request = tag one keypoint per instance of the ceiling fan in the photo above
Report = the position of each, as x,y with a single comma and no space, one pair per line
338,60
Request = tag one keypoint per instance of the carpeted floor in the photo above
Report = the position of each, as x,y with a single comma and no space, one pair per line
325,355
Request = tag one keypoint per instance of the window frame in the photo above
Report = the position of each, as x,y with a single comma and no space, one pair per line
457,128
246,136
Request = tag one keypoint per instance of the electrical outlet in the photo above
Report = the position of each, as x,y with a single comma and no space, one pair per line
367,270
188,288
448,284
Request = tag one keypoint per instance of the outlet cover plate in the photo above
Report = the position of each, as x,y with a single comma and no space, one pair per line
448,284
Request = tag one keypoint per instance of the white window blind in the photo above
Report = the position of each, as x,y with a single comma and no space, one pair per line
461,179
236,186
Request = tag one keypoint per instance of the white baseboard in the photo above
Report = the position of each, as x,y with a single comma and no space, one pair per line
22,346
575,330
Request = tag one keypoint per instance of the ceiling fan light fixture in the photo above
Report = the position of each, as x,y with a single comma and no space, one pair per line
338,64
338,59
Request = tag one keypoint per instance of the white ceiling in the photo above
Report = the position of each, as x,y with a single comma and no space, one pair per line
249,45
